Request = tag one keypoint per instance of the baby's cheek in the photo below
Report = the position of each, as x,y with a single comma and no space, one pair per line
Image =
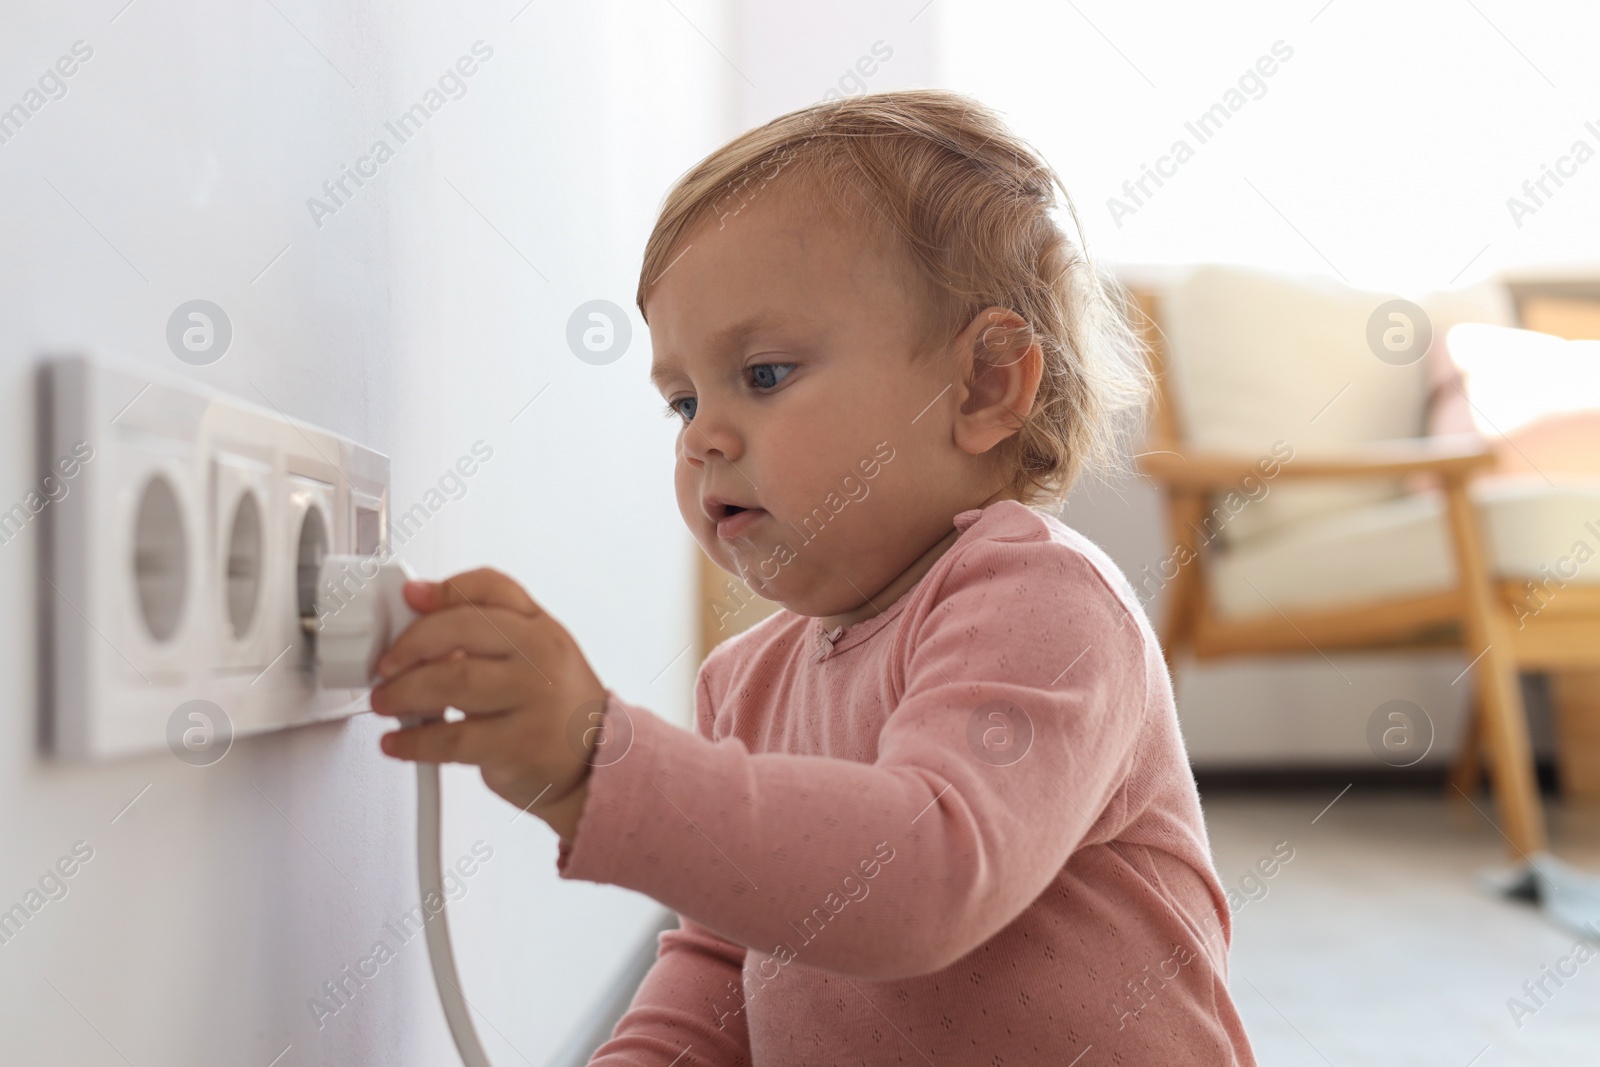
686,489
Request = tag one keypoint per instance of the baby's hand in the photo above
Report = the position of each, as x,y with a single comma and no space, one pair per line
482,645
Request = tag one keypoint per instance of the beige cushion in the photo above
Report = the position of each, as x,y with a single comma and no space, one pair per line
1259,357
1532,530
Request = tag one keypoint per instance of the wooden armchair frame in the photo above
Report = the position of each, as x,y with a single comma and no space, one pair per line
1480,614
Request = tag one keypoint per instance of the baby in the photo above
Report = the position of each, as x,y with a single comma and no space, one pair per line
937,808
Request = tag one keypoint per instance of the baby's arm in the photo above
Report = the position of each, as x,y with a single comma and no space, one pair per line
688,1009
902,866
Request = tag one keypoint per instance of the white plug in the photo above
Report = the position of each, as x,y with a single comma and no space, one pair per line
360,611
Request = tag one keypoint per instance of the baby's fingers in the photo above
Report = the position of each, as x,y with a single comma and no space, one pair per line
485,587
476,741
472,683
475,630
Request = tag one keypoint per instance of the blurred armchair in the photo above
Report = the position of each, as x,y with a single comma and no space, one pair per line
1309,511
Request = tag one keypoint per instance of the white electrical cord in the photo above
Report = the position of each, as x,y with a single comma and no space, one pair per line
430,878
361,611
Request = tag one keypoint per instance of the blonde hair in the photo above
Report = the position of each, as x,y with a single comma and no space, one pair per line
971,203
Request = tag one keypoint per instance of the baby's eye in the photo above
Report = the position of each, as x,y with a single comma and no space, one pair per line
683,407
768,375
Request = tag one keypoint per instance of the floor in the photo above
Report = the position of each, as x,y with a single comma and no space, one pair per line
1374,944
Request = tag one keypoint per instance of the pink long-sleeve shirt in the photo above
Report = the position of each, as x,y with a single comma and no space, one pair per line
962,832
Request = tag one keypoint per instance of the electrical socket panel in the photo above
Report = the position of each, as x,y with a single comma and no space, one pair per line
184,529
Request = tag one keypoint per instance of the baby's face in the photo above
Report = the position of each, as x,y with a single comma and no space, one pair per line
815,458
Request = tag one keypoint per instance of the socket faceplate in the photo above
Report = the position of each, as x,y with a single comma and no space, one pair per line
174,555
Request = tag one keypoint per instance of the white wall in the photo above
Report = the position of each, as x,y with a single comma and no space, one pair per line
1385,156
177,166
790,56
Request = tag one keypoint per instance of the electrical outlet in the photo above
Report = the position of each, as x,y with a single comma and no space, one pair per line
243,539
181,554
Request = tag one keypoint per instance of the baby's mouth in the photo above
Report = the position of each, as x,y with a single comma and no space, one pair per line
717,509
733,519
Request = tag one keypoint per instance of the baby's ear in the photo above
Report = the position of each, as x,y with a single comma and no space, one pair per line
1001,366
